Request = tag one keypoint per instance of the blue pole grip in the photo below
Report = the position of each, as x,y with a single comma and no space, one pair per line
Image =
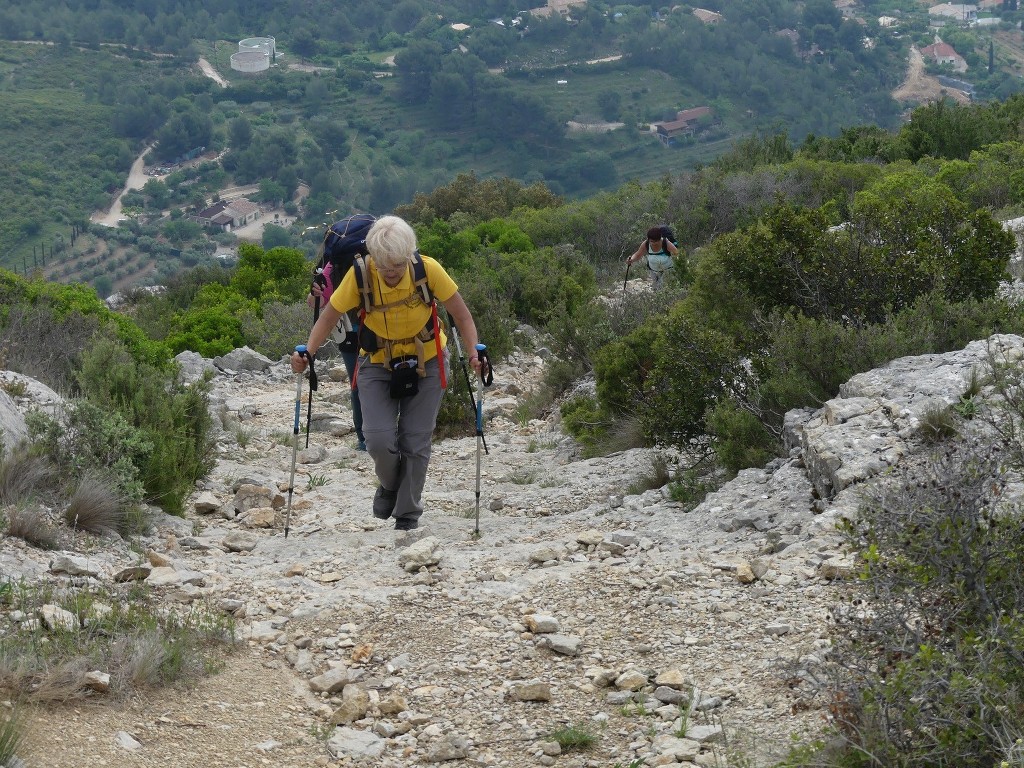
300,348
481,347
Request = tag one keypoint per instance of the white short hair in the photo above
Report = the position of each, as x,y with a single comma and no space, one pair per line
391,242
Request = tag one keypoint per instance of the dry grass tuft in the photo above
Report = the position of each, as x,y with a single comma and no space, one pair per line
938,423
61,683
659,476
31,524
144,658
23,476
623,434
96,507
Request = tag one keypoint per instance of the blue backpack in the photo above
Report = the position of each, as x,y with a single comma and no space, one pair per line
343,241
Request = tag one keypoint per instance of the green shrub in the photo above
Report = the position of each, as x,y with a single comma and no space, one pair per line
492,314
741,439
171,417
694,366
276,328
622,369
559,377
583,419
692,486
73,302
212,325
908,236
91,438
928,668
807,359
599,433
280,274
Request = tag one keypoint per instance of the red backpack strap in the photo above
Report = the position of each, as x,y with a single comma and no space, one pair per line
437,343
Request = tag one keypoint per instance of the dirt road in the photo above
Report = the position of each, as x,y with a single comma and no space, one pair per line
921,88
211,73
136,180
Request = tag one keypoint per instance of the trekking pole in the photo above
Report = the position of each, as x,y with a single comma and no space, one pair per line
313,386
465,372
486,379
301,349
626,278
320,280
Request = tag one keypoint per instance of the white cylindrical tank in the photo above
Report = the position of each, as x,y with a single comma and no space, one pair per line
250,61
266,44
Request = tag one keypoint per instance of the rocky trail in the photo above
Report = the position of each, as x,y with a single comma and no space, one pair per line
674,637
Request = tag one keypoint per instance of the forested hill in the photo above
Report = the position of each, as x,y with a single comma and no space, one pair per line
370,103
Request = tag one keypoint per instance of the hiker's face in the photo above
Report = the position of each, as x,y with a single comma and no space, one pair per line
655,241
392,274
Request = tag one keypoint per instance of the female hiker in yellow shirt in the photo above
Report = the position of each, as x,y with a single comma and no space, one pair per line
399,369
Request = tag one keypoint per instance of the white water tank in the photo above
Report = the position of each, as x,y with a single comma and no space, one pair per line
266,44
250,61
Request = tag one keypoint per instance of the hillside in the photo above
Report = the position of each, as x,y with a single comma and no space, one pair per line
367,125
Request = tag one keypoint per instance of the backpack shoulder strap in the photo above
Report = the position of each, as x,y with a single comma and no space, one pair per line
419,277
360,271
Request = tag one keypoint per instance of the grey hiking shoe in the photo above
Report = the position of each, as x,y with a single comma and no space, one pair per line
405,524
383,503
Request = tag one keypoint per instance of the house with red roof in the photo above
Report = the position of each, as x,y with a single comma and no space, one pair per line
943,54
687,123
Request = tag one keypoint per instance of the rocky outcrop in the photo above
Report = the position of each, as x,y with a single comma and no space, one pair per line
18,395
874,423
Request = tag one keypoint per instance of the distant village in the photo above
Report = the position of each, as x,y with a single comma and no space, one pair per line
689,122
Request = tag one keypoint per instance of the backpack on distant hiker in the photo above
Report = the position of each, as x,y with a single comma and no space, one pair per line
344,240
668,234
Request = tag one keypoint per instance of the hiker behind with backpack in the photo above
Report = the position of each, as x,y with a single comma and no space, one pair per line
399,373
345,335
660,251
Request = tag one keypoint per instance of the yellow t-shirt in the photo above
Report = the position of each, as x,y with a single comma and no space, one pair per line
403,321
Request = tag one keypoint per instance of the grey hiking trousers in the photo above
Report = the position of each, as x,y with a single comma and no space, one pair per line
398,432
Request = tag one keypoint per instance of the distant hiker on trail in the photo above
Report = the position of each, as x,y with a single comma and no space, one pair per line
659,250
345,333
402,349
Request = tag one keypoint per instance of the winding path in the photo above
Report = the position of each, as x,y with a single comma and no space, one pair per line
136,180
